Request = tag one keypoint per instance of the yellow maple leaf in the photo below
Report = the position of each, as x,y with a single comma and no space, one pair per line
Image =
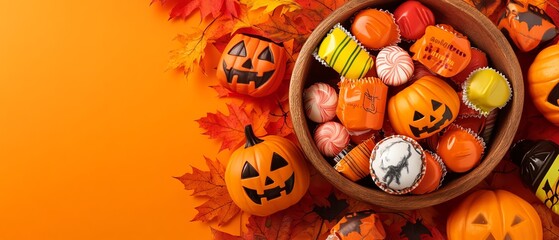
250,17
271,5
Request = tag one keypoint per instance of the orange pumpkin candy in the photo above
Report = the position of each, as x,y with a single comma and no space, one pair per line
423,108
499,214
543,83
266,175
252,65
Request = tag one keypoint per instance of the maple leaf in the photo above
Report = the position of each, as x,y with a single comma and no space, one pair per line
230,129
211,184
185,8
205,183
272,5
276,226
219,235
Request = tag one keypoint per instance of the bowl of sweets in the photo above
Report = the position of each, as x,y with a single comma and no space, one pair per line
406,104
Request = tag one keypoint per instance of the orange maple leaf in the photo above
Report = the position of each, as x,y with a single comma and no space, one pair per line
230,129
215,8
219,235
276,226
211,184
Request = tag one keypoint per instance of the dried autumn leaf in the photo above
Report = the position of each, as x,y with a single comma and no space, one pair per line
211,184
219,235
215,8
229,129
276,226
272,5
205,183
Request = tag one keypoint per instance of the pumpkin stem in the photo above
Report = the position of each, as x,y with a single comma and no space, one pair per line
251,138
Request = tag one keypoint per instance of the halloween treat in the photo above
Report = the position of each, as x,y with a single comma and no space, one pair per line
423,108
460,149
394,65
435,171
539,169
331,138
355,164
343,153
489,125
266,175
443,52
320,102
358,225
419,71
478,60
487,214
543,83
344,54
397,164
252,65
413,17
474,123
375,28
526,25
361,103
485,90
358,137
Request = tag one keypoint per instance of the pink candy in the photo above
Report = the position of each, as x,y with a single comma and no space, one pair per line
320,101
331,138
394,66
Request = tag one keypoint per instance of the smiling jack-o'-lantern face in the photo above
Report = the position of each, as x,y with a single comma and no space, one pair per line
266,175
423,108
252,65
492,215
543,83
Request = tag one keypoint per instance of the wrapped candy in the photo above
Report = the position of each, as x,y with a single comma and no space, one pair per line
358,225
413,17
355,164
362,103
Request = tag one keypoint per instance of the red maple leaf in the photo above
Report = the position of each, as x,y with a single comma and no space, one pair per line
229,129
276,226
211,184
215,8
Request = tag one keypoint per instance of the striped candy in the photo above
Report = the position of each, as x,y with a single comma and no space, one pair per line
355,165
331,138
344,54
320,102
394,66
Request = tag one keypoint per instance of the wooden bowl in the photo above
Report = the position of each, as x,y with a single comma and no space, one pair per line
482,34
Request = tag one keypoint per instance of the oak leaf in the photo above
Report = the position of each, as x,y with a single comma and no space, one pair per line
211,184
229,129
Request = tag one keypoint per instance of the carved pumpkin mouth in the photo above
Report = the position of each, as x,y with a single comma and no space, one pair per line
245,77
447,115
273,193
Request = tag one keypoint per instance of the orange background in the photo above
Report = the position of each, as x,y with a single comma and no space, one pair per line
92,124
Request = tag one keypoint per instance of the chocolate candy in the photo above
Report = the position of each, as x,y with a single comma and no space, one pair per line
435,172
344,54
375,28
358,225
460,149
443,52
331,138
485,90
362,103
397,164
394,66
355,164
320,101
413,17
358,137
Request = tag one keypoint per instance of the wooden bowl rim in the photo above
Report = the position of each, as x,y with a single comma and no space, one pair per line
501,141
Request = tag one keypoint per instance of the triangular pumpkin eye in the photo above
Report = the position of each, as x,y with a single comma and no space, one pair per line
480,219
238,50
517,220
417,115
277,162
435,104
266,55
249,171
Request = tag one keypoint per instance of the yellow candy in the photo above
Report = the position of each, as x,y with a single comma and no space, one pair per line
341,51
486,89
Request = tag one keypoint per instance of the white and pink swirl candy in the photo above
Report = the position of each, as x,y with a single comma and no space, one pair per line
331,138
320,101
394,66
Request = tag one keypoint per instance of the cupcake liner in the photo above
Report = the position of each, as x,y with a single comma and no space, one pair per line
443,167
476,136
380,182
466,91
342,69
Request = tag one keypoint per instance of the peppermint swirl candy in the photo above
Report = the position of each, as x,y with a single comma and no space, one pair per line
320,101
331,138
394,66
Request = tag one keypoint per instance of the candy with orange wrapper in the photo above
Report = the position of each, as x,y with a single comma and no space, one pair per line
362,103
